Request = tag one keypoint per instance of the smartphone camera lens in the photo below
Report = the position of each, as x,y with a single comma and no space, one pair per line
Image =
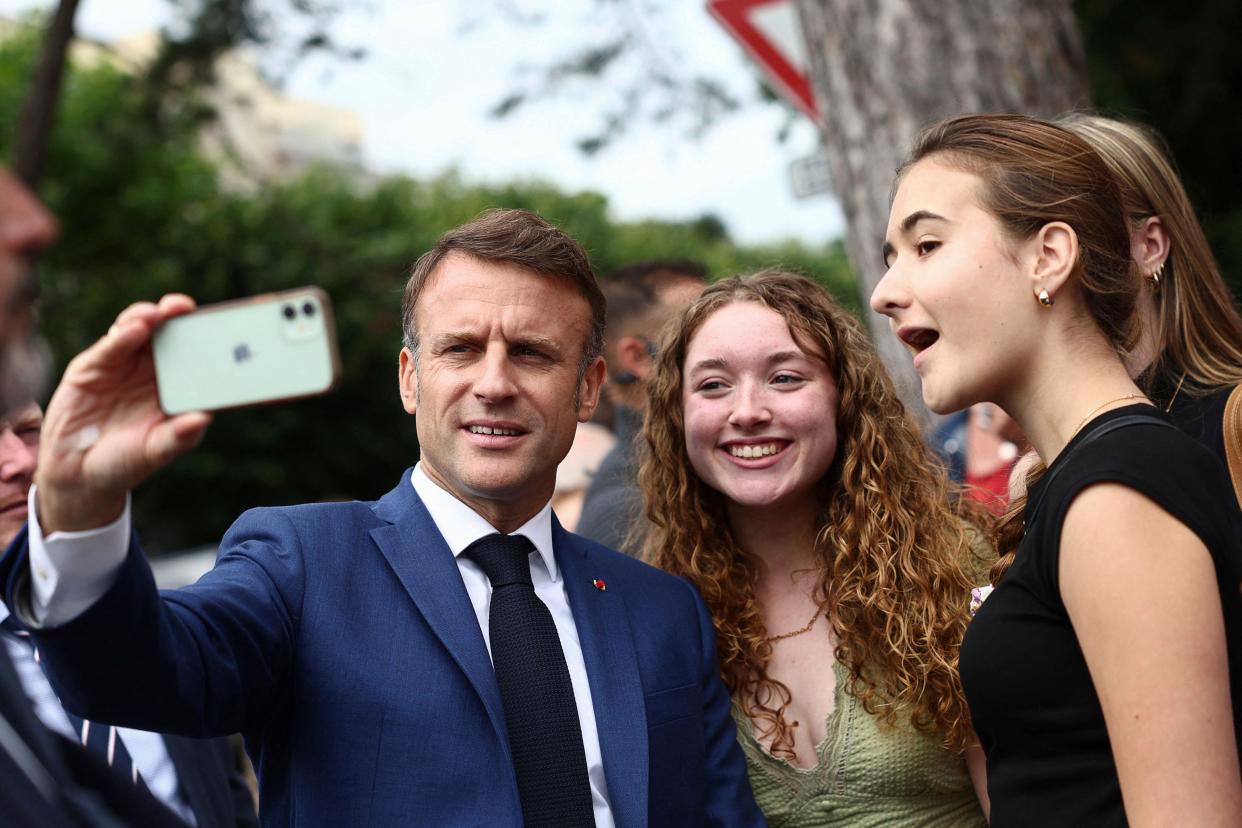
289,311
308,308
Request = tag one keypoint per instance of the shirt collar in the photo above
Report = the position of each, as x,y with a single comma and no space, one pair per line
461,526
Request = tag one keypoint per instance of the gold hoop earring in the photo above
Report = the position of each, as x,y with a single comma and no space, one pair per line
1044,298
1155,276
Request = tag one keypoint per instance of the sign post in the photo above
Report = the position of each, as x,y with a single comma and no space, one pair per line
771,33
810,175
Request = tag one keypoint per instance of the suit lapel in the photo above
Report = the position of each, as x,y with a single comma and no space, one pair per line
426,568
187,756
16,709
612,669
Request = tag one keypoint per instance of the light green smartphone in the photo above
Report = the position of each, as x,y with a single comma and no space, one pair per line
269,348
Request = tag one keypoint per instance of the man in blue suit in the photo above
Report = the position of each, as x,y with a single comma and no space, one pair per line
446,655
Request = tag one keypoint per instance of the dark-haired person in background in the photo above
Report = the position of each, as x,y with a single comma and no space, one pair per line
446,655
641,298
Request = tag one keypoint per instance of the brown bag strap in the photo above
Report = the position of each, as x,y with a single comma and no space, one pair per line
1233,439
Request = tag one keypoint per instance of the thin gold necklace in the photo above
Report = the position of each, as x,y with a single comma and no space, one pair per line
1176,391
1099,407
773,638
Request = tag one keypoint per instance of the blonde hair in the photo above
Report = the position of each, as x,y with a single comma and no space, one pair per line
1198,329
890,545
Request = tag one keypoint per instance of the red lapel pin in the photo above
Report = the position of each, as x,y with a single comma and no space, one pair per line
599,584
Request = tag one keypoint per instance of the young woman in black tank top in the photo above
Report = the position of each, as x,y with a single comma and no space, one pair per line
1099,671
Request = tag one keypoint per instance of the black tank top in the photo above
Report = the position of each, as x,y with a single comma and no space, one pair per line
1203,418
1034,706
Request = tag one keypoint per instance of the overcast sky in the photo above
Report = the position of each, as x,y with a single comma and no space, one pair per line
434,68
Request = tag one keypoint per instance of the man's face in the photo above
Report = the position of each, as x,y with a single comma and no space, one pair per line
19,449
25,227
496,386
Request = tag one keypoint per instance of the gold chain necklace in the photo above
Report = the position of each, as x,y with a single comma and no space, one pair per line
1098,408
773,638
1176,391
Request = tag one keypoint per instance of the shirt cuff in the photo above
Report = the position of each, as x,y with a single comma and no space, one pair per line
70,571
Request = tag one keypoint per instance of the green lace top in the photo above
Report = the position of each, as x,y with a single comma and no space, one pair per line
869,774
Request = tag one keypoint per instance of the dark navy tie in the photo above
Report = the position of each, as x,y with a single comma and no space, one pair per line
100,739
545,736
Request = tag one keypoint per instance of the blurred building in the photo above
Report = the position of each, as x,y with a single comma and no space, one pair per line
259,135
263,135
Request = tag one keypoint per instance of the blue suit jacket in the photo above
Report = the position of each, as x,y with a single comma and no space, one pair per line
339,639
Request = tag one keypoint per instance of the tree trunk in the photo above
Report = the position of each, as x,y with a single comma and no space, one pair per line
39,109
884,69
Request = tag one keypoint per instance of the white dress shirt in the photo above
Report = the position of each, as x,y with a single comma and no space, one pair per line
146,750
70,571
461,526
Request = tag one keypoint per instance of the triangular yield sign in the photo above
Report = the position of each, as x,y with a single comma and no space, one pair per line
771,32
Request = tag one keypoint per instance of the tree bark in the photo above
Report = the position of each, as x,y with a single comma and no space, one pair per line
884,69
39,109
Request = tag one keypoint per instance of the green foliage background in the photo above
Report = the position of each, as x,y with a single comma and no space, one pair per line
142,212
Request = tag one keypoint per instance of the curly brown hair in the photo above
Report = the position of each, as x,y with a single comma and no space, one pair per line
892,546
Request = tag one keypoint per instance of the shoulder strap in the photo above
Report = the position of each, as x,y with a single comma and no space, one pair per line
1091,436
1232,428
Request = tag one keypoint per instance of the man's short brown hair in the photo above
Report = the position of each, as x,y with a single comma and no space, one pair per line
516,237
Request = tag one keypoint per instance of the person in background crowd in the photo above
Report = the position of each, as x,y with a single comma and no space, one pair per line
641,298
979,446
819,528
447,654
1189,353
25,228
592,443
196,779
1104,670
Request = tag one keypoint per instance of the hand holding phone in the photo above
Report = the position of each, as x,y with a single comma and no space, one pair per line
269,348
117,415
104,431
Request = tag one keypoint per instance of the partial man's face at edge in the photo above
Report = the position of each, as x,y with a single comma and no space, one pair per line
25,228
19,452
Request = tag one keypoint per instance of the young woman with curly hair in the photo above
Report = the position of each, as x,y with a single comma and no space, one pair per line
1105,669
784,479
